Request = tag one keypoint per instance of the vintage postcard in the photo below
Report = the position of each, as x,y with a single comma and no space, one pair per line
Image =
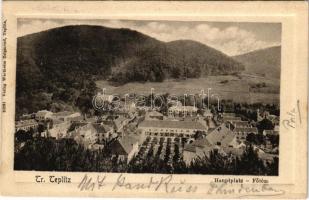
154,99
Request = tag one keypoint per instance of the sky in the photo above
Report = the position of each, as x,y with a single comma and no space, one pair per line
232,38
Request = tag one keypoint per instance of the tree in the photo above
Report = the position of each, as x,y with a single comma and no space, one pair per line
198,135
273,167
176,154
22,136
41,128
251,138
250,164
212,164
274,139
265,124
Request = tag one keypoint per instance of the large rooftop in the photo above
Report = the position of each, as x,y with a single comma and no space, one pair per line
172,124
246,129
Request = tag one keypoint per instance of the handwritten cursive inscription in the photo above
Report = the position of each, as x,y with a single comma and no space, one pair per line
163,183
167,184
90,184
292,115
242,190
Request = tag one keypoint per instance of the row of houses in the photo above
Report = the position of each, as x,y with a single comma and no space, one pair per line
219,138
224,141
44,115
26,125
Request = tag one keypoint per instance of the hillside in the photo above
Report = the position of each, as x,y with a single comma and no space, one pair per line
59,66
262,62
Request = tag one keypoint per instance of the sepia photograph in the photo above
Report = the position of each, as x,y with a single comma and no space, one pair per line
147,96
167,99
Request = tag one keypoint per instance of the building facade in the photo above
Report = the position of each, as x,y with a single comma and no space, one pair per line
26,125
166,128
182,111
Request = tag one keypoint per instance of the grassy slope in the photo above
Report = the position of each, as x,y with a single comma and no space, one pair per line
235,89
262,62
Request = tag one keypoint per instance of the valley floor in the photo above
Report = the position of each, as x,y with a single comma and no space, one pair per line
243,88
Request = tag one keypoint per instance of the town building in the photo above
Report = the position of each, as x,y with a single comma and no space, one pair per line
231,119
239,124
182,111
208,114
125,148
43,115
26,125
221,139
197,149
222,136
170,128
270,132
58,130
241,133
117,122
154,115
266,115
65,115
88,134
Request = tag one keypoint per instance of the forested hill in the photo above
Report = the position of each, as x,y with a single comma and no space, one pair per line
264,61
60,63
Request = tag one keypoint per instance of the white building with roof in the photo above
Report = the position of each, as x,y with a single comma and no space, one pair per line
43,115
222,136
197,149
26,125
170,128
182,111
65,115
242,133
89,134
125,148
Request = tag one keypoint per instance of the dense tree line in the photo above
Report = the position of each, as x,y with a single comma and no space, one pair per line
47,154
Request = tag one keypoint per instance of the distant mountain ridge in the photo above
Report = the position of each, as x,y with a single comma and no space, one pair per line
107,52
60,63
263,62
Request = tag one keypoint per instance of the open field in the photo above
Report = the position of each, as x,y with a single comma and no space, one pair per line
236,88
